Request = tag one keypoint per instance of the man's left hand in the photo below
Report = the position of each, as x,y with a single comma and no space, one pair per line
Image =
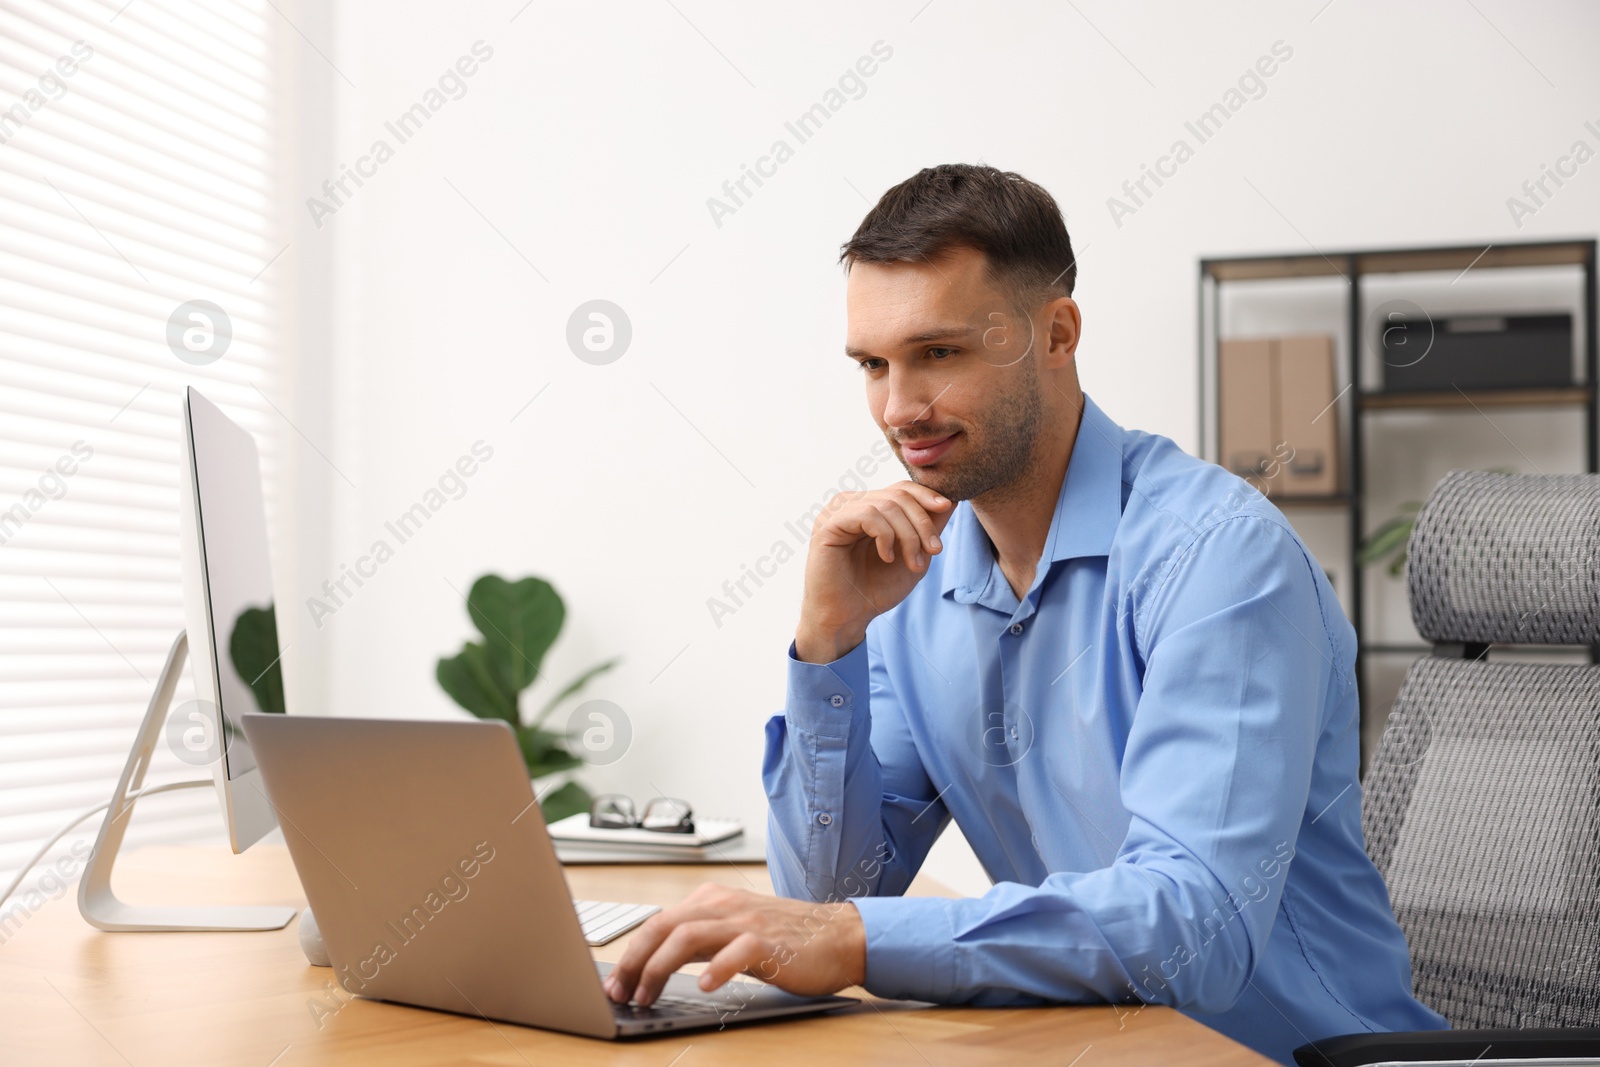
806,948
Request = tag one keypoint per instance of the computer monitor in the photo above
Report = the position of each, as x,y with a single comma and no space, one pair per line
231,641
228,606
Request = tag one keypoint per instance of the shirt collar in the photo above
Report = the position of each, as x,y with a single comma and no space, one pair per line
1088,508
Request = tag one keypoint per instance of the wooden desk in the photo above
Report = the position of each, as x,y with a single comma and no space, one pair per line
70,994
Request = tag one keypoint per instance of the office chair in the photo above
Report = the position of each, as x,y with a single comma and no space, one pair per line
1482,804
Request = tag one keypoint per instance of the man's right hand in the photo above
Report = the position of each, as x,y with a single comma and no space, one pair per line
868,551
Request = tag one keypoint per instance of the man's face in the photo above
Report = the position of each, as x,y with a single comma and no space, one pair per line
952,379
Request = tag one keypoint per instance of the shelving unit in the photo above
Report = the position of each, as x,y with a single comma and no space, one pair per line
1480,398
1361,400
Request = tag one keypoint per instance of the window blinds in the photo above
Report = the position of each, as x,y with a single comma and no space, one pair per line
137,148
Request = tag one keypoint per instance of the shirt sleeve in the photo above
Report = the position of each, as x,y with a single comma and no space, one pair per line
1216,773
850,808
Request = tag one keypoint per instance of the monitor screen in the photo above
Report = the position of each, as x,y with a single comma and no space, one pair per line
237,573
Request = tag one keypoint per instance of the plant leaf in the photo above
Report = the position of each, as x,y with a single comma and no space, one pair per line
572,687
519,622
253,648
472,683
570,799
1385,539
544,752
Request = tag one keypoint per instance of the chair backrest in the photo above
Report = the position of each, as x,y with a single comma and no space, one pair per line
1480,807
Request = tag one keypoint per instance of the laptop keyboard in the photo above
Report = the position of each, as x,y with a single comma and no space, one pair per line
605,920
671,1007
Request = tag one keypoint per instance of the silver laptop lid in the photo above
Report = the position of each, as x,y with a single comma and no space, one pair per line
425,859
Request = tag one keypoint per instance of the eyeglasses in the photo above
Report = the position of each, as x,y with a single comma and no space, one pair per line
613,811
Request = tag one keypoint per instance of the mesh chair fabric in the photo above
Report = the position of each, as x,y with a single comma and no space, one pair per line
1480,811
1508,558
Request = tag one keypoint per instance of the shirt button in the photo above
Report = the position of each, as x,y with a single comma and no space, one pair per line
825,819
1016,628
836,700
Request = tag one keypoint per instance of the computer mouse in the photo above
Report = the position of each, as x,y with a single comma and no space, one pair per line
311,941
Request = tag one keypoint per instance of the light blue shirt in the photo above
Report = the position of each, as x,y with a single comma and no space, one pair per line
1154,755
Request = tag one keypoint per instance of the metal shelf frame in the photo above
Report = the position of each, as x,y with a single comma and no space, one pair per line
1356,403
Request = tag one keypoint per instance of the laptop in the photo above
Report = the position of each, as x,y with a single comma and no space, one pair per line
425,860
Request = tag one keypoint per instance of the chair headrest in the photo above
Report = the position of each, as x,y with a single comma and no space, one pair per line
1508,558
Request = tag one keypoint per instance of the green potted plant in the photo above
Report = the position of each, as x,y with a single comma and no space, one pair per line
1393,538
519,621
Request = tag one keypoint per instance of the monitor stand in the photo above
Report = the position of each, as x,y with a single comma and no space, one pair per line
97,903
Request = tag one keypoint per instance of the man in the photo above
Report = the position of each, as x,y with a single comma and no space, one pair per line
1116,667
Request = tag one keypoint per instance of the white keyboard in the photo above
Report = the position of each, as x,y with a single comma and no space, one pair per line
605,920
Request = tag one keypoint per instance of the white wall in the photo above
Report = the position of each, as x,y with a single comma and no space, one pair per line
591,141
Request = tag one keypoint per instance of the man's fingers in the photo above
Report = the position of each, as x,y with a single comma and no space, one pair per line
690,941
620,983
929,498
855,516
876,525
708,901
927,528
907,541
746,953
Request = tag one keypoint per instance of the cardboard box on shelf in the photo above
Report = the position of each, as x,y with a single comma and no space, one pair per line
1244,408
1278,428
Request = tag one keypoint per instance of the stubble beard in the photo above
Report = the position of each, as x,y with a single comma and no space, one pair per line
1001,447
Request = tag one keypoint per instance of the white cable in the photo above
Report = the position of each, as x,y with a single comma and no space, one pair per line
97,809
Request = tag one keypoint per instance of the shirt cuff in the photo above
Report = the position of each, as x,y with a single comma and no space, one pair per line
911,947
822,696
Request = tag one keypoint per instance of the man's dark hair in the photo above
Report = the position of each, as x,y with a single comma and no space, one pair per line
1013,222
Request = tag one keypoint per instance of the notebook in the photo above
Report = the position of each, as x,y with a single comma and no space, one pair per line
576,828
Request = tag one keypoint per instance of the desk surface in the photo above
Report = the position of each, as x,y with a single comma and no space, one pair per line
70,994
